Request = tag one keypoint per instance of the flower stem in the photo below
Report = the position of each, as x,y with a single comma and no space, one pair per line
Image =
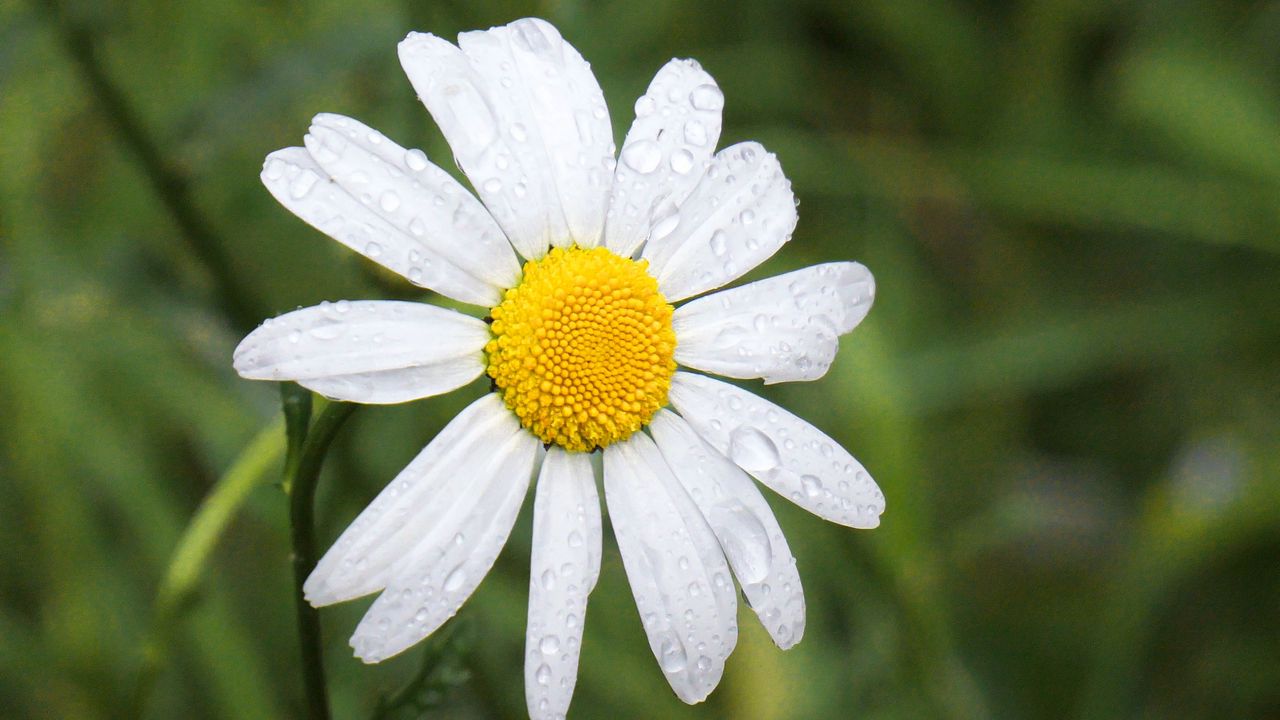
186,566
306,451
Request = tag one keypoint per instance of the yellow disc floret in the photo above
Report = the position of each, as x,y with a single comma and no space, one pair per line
582,348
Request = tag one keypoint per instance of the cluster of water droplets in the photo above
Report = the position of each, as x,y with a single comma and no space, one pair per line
665,153
677,571
528,125
784,328
789,455
743,524
564,566
740,213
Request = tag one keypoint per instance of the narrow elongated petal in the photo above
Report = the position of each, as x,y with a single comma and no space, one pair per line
666,152
563,570
676,569
456,550
367,351
736,218
431,492
307,190
783,328
528,124
795,459
743,523
415,196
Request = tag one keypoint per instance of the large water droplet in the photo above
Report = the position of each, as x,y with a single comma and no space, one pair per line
543,675
707,97
682,161
719,244
549,645
642,156
415,159
812,485
549,580
455,580
663,227
645,106
302,184
390,201
671,656
695,133
745,541
752,450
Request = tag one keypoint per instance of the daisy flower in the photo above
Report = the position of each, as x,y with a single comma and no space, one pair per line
577,258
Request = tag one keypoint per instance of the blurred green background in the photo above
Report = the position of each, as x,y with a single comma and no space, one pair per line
1069,389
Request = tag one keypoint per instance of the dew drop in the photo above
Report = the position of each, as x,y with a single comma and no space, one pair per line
455,580
373,249
549,580
812,485
682,161
415,159
672,656
707,97
543,675
642,156
695,133
663,227
645,106
302,185
492,185
718,243
390,201
752,450
550,645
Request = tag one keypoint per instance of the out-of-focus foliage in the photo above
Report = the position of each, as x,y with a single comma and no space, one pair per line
1069,388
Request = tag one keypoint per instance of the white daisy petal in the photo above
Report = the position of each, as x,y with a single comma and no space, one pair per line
307,190
367,351
414,195
455,551
789,455
676,569
736,218
666,152
528,123
431,492
781,329
743,523
563,570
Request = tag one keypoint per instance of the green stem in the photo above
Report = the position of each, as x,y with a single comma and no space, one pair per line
196,545
307,449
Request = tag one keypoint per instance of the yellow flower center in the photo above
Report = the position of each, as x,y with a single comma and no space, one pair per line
582,348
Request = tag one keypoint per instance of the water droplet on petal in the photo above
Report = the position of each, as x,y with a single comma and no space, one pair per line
752,450
718,243
455,580
682,161
672,656
302,184
812,485
642,156
549,645
707,97
389,202
695,133
415,159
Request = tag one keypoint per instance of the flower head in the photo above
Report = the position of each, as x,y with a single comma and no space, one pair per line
578,258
